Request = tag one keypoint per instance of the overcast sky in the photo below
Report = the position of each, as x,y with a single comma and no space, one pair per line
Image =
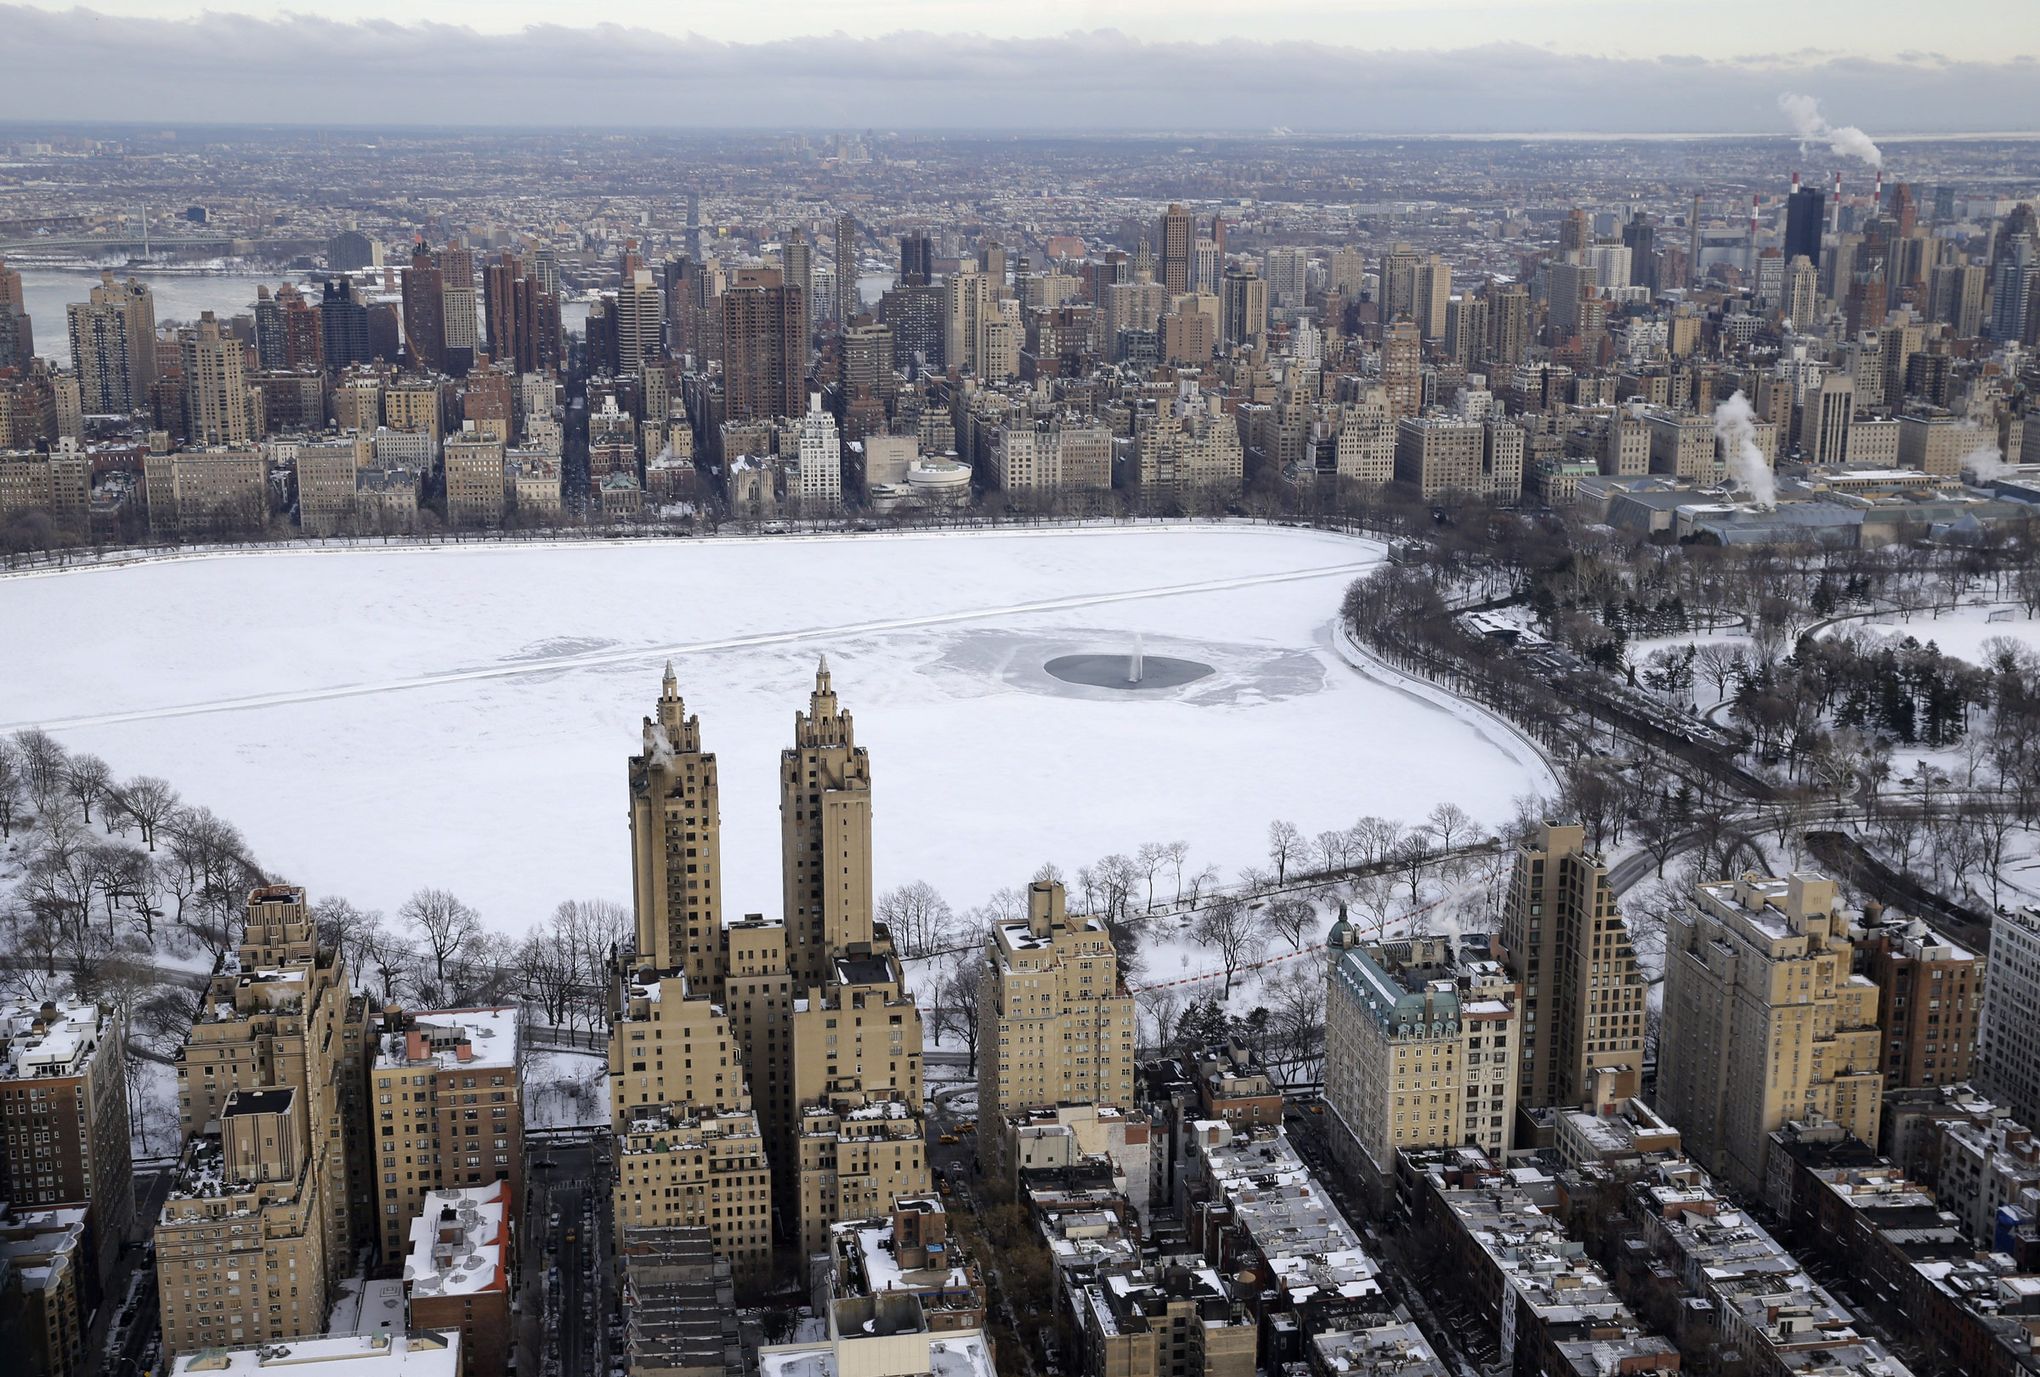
1356,65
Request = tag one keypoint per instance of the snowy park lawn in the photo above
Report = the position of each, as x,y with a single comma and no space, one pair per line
566,1090
1961,632
379,720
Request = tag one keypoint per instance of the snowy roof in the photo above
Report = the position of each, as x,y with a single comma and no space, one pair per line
430,1353
47,1040
453,1038
954,1353
459,1241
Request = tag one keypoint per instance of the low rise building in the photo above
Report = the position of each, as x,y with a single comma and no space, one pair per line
419,1353
1172,1321
461,1272
911,1251
1397,1349
875,1336
679,1305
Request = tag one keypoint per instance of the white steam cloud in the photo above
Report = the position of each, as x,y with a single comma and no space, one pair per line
1984,463
1812,127
1735,425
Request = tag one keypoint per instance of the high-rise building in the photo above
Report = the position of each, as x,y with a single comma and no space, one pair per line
1826,412
343,326
64,1116
137,301
1565,943
1764,1023
1395,291
819,482
272,1095
459,312
1929,1001
268,329
1402,367
425,311
676,845
1243,307
640,317
1288,276
1433,285
102,360
1055,1020
1574,232
846,269
351,251
302,344
215,389
1509,320
966,307
449,1081
2008,1042
1639,236
825,836
917,260
1179,243
799,258
1421,1043
764,354
1439,454
473,466
1803,223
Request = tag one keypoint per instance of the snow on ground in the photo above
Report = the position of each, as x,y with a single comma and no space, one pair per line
1961,632
376,721
566,1089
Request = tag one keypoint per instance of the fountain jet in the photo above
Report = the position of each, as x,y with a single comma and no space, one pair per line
1133,661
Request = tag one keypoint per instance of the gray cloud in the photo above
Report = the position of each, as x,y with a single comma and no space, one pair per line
304,69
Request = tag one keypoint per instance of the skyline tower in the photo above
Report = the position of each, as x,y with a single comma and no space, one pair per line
825,836
676,845
1803,222
425,310
846,269
1179,247
764,355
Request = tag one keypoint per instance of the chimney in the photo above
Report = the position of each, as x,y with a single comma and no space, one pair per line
1795,183
1835,206
1753,215
1878,203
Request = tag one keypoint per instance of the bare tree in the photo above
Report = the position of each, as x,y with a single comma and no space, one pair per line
1235,931
88,779
1147,859
1179,856
441,924
1719,662
345,929
1452,825
1374,896
1285,844
149,801
1293,918
1204,879
13,788
957,1003
1296,1000
919,918
42,766
547,972
1412,861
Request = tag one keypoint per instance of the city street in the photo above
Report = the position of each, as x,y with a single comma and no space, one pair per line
567,1260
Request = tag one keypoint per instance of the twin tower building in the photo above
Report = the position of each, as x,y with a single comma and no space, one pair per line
762,1072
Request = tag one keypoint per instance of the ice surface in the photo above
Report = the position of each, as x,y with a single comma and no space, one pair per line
378,720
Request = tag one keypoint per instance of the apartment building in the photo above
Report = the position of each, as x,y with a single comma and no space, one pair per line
1564,942
1929,1000
58,482
1056,1023
476,494
448,1112
418,1353
1189,454
64,1116
1764,1021
206,492
1420,1051
1173,1321
909,1249
825,836
2008,1046
47,1288
251,1241
676,1169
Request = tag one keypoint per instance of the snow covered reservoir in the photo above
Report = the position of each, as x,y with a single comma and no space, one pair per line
380,719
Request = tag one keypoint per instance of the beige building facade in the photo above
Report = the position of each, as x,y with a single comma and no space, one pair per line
1764,1022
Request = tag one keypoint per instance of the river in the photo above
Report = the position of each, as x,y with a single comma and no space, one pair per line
179,296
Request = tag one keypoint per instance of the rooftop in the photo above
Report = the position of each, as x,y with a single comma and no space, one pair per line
460,1242
1290,1217
451,1039
48,1040
422,1354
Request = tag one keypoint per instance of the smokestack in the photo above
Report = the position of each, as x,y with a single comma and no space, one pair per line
1753,215
1878,203
1835,206
1795,183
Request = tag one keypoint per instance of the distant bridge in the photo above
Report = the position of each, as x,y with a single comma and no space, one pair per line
160,245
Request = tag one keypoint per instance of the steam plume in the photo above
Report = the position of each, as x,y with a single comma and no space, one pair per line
1812,127
1735,425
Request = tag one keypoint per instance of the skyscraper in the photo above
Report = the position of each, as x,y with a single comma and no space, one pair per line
425,311
917,260
458,311
640,321
846,269
1564,940
819,483
215,390
676,845
343,326
1179,245
799,256
825,836
102,360
137,301
1803,222
764,356
17,334
1243,306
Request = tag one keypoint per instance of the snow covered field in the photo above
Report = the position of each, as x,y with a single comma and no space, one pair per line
377,720
1961,632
